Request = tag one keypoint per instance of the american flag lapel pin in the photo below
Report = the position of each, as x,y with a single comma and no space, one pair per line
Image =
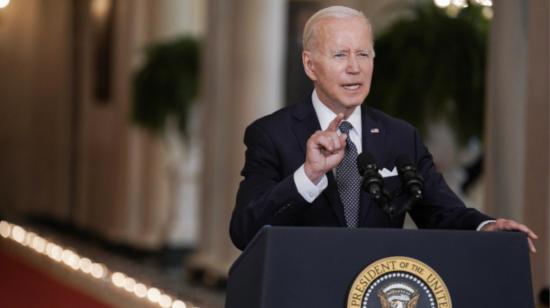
374,131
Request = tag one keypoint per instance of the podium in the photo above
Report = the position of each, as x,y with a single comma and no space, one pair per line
303,267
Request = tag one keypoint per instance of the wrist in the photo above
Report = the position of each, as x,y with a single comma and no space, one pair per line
314,176
488,225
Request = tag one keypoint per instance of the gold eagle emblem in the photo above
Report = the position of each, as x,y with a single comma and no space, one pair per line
398,295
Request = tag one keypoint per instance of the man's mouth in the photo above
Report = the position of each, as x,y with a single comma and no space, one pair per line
352,86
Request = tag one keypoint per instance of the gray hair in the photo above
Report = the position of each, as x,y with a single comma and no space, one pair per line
310,28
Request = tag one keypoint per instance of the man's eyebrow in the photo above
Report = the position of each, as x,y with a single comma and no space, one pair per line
339,50
346,50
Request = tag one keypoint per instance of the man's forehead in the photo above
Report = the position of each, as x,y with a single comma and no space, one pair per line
330,27
331,22
336,30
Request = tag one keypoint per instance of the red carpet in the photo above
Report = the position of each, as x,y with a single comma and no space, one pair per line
22,285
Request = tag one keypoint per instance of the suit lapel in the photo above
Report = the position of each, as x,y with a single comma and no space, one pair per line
306,123
373,137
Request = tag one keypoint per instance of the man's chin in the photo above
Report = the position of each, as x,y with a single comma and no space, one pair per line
352,103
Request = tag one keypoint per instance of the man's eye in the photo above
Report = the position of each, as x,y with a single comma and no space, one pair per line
365,54
339,55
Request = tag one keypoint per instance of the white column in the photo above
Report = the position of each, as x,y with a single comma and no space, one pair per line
537,134
518,126
35,108
507,63
243,72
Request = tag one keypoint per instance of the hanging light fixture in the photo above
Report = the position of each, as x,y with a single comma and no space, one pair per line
462,3
453,7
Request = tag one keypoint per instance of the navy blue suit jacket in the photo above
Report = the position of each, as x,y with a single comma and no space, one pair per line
276,148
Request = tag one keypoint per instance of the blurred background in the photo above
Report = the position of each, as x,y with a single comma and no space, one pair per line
121,126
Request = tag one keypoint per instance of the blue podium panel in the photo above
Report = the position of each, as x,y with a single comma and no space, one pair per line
299,267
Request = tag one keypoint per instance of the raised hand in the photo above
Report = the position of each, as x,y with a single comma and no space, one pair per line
325,150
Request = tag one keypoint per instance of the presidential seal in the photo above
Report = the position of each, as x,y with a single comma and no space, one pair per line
398,282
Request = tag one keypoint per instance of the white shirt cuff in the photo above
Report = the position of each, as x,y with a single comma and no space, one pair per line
483,224
307,189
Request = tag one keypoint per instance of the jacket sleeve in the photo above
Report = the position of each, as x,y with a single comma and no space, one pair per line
266,196
440,208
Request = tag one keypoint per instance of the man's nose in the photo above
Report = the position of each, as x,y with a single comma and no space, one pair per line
353,65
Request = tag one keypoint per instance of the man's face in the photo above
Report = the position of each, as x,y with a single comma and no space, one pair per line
340,62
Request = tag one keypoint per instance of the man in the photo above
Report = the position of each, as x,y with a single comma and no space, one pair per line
300,165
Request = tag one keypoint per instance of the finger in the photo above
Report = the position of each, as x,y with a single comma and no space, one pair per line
335,142
343,138
326,143
333,126
340,143
506,225
512,225
313,141
531,245
516,226
531,234
329,141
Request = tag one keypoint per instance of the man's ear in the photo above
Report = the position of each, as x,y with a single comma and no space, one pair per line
309,67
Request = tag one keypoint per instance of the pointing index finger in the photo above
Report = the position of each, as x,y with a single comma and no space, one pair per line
333,126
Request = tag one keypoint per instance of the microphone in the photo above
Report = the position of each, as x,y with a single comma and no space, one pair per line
373,183
412,181
372,180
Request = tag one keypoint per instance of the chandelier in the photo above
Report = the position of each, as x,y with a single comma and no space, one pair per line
453,7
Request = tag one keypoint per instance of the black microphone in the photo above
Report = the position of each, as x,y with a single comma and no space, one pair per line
372,180
412,181
373,183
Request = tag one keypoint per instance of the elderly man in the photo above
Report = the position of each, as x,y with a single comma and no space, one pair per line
300,167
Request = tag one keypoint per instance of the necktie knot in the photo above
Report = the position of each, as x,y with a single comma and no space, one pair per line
345,127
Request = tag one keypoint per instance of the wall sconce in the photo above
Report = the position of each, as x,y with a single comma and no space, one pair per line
103,23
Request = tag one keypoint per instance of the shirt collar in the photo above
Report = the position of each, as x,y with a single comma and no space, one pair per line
325,115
